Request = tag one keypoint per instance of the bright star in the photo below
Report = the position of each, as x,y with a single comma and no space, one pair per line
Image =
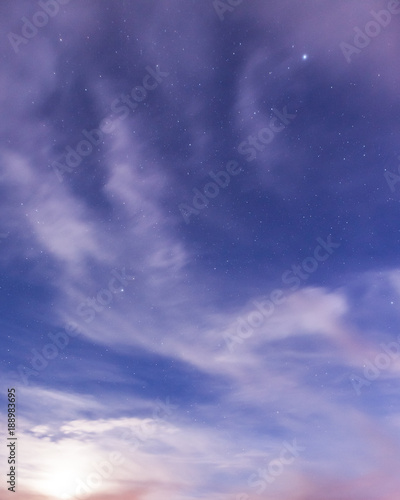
305,56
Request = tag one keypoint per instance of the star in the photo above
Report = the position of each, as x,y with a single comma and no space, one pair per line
305,57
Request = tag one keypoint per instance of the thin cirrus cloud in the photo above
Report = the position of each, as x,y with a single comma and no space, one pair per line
281,385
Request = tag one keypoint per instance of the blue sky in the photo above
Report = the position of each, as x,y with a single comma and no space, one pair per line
199,248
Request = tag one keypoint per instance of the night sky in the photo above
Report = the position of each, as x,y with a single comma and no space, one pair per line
199,248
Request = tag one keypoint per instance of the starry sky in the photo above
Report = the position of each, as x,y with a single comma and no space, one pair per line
199,248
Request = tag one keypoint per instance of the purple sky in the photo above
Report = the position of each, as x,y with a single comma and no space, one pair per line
199,235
